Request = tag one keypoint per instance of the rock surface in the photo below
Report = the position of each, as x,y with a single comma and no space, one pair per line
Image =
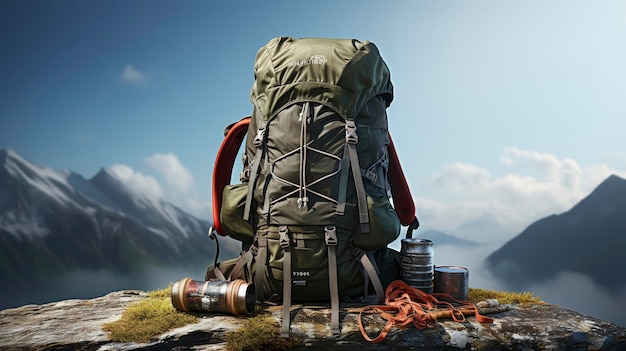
77,325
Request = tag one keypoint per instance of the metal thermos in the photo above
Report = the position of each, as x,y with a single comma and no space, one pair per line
236,297
416,267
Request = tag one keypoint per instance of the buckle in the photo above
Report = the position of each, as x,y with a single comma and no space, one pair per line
371,176
244,176
283,233
351,136
258,139
330,235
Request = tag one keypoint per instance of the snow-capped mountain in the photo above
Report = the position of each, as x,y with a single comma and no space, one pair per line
53,223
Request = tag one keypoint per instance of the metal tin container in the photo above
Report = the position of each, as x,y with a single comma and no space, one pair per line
235,297
416,266
452,280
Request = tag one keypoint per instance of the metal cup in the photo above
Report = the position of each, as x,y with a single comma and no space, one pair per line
452,280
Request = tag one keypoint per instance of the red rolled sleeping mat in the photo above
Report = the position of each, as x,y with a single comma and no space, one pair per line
400,191
223,167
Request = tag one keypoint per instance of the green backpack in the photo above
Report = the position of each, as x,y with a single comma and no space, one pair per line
313,208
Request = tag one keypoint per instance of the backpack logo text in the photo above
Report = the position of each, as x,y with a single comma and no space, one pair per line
313,60
301,273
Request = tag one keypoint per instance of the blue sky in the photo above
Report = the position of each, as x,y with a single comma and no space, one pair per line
504,112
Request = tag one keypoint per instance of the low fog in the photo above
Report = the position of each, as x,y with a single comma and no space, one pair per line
571,290
89,284
568,289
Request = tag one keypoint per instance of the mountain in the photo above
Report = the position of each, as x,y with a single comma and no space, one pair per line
589,239
440,238
56,223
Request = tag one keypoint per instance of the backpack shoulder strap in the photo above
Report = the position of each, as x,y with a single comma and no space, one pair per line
223,167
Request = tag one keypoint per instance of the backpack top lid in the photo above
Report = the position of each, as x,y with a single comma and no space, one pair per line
341,73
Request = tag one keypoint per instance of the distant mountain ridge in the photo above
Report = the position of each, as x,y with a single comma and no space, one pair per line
589,239
55,222
440,238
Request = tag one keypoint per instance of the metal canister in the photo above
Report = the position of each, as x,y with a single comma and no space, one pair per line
235,297
416,266
452,280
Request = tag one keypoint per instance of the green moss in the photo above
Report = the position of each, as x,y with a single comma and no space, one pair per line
155,315
148,318
260,332
503,297
161,294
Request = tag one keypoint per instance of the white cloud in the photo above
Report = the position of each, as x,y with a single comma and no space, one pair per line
137,182
174,172
483,207
565,171
179,191
131,75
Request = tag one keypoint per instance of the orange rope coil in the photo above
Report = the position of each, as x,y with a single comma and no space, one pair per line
405,305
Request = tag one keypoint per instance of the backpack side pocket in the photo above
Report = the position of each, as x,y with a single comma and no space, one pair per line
231,212
384,225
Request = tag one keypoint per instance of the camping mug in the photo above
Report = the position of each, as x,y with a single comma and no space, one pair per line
452,280
235,297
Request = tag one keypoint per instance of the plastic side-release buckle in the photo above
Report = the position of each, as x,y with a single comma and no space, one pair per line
330,235
283,233
351,136
258,139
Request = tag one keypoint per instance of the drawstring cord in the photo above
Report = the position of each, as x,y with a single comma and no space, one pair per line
303,200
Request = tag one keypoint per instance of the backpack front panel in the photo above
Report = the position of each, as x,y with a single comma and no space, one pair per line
309,260
278,186
299,174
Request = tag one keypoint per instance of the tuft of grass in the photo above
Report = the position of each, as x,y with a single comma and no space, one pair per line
148,318
260,332
503,297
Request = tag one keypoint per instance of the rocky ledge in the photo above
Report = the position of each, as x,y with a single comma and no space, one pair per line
77,325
